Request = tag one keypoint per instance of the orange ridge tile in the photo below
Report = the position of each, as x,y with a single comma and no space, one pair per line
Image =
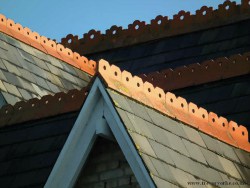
195,74
175,107
46,45
35,109
160,27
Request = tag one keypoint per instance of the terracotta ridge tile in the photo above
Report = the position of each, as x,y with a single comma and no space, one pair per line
174,107
138,32
35,109
46,45
195,74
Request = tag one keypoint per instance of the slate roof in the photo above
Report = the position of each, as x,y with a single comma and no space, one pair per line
29,69
169,43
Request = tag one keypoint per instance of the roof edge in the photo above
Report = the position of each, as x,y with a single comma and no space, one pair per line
139,32
174,107
195,74
46,45
35,109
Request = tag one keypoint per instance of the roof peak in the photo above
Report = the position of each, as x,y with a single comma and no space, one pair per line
175,107
46,45
139,32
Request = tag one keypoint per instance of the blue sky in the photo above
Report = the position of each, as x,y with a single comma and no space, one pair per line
57,18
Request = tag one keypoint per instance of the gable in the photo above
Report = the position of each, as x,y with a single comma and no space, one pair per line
106,166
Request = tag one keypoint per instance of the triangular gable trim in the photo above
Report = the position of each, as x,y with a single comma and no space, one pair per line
97,110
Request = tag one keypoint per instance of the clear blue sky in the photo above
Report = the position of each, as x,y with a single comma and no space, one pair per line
57,18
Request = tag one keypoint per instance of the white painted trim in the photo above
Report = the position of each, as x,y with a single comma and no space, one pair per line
83,134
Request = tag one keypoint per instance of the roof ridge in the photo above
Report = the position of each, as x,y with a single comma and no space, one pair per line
200,73
139,31
35,108
46,45
175,107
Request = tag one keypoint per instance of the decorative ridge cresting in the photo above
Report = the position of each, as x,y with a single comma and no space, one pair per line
35,109
46,45
195,74
174,107
138,32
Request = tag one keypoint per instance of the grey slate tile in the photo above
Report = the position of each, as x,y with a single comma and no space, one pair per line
166,123
163,183
180,176
25,94
27,74
2,66
36,70
142,144
229,167
193,135
212,159
211,143
194,151
82,75
138,109
161,152
3,53
40,91
163,170
26,85
119,100
176,143
68,68
2,87
125,119
244,172
140,125
41,82
12,79
54,61
53,87
67,85
11,68
54,79
12,89
54,70
40,63
228,179
2,77
228,151
25,55
10,99
243,156
13,42
68,76
81,82
149,164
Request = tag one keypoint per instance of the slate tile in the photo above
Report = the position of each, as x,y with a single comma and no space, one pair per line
27,74
68,76
36,70
210,175
55,70
193,135
54,79
163,170
40,63
25,55
10,99
27,85
212,159
176,143
243,156
2,77
227,179
149,164
2,66
142,144
229,167
3,54
28,49
194,151
41,82
25,94
11,68
82,75
211,143
163,183
161,152
53,87
13,42
166,123
54,61
3,37
119,100
2,87
228,151
67,85
68,68
81,82
125,119
159,135
180,176
41,92
244,172
12,89
138,109
12,79
140,125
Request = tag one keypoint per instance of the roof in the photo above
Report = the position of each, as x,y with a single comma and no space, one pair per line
29,68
